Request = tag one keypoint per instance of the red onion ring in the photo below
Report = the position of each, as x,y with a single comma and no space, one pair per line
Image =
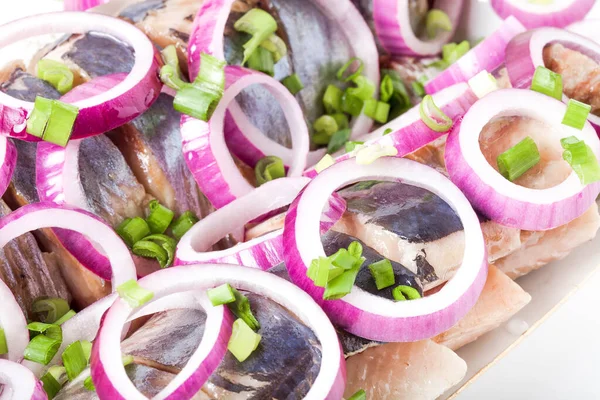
487,55
395,33
13,322
19,383
109,374
263,252
206,152
408,132
360,312
8,160
82,5
525,53
498,198
558,13
100,113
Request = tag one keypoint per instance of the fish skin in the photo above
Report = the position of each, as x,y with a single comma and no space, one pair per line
138,11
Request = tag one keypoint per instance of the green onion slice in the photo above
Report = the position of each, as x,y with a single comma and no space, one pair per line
386,88
60,124
70,314
55,73
341,120
517,160
350,146
451,52
332,99
50,330
258,23
184,223
433,117
377,110
547,82
318,271
50,310
148,249
132,230
577,114
241,309
343,284
403,292
243,340
338,140
134,294
88,384
383,273
221,295
347,73
360,395
582,159
159,218
437,21
293,83
355,249
276,46
269,168
262,60
364,90
387,131
3,345
38,119
74,359
325,126
418,88
166,243
41,349
352,104
51,385
170,77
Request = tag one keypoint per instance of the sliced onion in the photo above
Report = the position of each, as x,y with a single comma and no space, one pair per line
525,53
13,322
108,372
408,132
8,160
82,5
19,383
263,252
487,55
587,28
101,113
365,314
496,197
396,35
537,14
204,144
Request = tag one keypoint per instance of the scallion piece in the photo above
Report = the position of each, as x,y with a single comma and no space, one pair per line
60,124
52,331
170,77
324,163
169,56
276,46
403,292
55,73
577,114
184,223
241,309
293,83
168,245
88,384
343,259
50,310
582,159
383,273
319,271
386,88
338,140
341,120
195,102
132,230
351,104
269,168
387,131
369,154
258,23
243,340
74,360
418,88
332,99
364,90
41,349
347,73
342,285
350,146
262,60
325,126
451,52
39,116
437,21
51,385
159,218
70,314
134,294
148,249
517,160
377,110
221,295
433,117
3,345
400,97
360,395
355,249
87,349
547,82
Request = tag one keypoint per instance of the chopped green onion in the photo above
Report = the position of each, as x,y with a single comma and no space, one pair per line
341,120
377,110
386,88
342,285
343,259
387,131
241,309
351,104
159,218
517,160
38,119
402,292
350,146
74,360
70,314
262,60
60,124
52,331
360,395
338,140
433,117
3,345
258,23
169,56
148,249
269,168
319,271
451,52
577,114
293,83
50,310
87,349
355,249
55,73
88,384
364,90
325,126
400,96
276,46
344,74
332,99
170,77
51,385
582,159
418,88
547,82
184,223
325,162
243,340
132,230
437,21
41,349
168,245
383,273
369,154
134,294
221,295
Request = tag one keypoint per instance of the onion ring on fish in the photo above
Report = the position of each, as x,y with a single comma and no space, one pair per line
500,199
19,383
396,35
408,132
360,312
525,53
487,55
102,112
14,324
82,5
206,152
8,160
109,374
262,252
537,14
